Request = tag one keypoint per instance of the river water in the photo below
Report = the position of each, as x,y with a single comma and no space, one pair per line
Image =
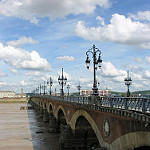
24,129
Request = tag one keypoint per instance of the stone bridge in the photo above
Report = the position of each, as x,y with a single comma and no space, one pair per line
84,125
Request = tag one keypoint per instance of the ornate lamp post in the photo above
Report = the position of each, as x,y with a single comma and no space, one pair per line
40,87
96,63
43,87
62,81
79,87
50,82
68,87
128,82
37,90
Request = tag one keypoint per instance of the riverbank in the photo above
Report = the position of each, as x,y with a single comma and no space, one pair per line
14,100
24,129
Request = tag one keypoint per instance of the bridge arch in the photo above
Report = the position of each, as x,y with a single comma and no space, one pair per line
61,108
44,105
50,107
131,141
41,103
87,116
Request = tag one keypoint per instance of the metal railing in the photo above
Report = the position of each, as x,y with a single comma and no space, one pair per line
128,103
141,104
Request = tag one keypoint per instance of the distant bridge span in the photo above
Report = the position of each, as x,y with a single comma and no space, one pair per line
96,126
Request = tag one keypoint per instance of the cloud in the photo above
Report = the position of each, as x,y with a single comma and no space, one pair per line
134,68
101,20
23,83
141,15
13,70
146,74
2,74
32,10
147,59
20,58
66,58
85,80
121,30
137,59
22,41
109,70
34,74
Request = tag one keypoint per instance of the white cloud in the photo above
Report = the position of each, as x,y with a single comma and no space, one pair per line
2,74
84,80
146,74
35,74
22,41
33,9
109,70
13,70
23,83
147,59
101,20
138,59
120,30
142,15
66,58
134,68
20,58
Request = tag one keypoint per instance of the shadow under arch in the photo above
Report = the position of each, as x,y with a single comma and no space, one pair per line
44,106
60,107
83,113
134,140
41,103
50,108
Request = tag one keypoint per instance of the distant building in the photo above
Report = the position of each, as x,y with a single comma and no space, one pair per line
100,92
9,94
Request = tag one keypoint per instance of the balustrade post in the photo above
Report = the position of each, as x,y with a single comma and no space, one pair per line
111,102
126,103
143,105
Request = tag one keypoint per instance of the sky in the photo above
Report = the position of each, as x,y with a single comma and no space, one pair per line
40,37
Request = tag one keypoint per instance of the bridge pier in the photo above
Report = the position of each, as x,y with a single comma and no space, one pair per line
45,116
41,112
53,125
66,138
37,108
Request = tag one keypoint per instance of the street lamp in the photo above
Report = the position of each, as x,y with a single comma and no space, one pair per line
40,87
128,82
43,87
37,90
79,87
62,81
68,87
50,82
96,64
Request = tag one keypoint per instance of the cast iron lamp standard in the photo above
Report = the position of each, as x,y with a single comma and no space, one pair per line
40,87
79,87
128,82
68,87
50,82
43,87
62,81
96,63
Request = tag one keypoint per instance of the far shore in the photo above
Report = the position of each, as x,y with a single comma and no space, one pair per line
14,100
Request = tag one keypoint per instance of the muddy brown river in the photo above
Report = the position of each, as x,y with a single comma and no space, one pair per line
24,129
